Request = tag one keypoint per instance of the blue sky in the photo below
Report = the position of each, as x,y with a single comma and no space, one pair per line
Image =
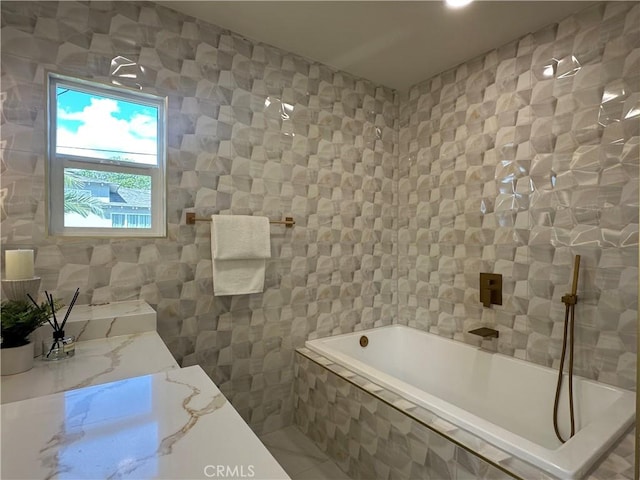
104,127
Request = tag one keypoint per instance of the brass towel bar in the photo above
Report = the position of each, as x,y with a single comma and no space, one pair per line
192,219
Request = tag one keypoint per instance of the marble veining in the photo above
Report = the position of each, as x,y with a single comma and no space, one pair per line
109,310
96,361
108,334
89,322
166,444
194,414
179,425
121,408
114,358
80,334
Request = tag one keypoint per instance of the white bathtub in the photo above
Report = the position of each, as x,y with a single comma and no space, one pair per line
506,401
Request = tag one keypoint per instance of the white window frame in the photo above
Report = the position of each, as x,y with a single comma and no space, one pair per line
56,163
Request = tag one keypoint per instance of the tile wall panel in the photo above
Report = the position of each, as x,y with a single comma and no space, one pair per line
252,130
513,163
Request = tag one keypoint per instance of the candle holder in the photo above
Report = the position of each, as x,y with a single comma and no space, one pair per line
19,290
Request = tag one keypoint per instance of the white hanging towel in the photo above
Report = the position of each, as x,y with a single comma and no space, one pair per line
240,245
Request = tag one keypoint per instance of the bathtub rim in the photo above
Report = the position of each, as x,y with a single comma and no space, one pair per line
561,462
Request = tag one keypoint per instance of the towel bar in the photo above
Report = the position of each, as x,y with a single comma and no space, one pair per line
191,219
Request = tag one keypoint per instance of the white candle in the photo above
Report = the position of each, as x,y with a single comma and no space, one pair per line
18,264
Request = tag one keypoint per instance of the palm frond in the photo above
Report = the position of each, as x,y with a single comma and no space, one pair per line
82,203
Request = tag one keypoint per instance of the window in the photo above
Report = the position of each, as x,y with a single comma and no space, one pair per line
106,160
130,220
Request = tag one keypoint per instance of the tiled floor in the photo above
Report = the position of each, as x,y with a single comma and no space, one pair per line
299,456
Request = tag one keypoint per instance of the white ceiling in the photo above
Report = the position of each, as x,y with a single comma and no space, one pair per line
393,43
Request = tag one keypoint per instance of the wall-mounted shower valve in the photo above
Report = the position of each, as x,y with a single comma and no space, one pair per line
491,289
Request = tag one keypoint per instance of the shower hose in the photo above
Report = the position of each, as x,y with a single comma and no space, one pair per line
570,301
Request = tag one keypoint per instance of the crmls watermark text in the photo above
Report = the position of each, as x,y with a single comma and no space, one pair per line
229,471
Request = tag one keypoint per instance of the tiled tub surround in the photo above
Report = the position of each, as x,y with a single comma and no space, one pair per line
371,432
252,130
505,401
513,163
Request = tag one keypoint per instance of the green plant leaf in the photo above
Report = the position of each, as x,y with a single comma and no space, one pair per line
82,204
20,318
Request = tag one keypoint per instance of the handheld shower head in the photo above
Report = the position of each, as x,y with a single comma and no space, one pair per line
576,270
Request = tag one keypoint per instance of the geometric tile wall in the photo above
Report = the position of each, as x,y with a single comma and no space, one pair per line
513,163
252,130
399,200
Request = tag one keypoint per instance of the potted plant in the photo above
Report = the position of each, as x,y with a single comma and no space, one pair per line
18,320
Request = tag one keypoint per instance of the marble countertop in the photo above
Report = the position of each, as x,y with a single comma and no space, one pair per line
173,424
122,408
95,361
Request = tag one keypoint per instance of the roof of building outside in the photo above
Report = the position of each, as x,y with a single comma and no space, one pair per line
132,197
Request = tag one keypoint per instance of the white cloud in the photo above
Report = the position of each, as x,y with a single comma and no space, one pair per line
102,135
144,126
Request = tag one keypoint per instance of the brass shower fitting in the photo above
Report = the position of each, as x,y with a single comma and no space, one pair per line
490,289
570,300
486,332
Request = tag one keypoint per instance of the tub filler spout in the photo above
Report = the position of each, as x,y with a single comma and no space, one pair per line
485,332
